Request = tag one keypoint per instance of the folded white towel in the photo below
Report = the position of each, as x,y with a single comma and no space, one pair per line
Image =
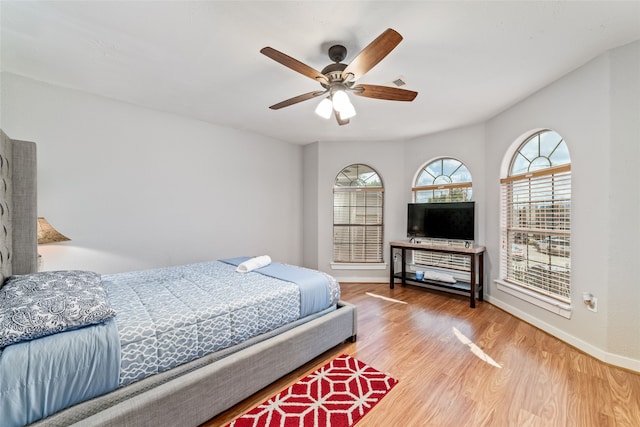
253,263
440,277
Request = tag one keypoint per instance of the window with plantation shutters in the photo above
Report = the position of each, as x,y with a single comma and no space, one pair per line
358,224
536,217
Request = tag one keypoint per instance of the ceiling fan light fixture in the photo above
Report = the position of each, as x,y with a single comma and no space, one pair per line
340,100
338,78
324,108
347,111
342,104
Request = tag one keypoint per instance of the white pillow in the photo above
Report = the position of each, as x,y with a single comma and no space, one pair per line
254,263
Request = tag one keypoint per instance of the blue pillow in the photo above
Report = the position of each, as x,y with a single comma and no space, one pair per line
39,304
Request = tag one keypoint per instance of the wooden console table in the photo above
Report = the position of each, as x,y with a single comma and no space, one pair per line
475,253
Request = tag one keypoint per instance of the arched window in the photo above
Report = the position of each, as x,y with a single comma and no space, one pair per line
536,217
358,215
443,180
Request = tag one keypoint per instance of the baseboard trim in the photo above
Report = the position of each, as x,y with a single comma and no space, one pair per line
360,279
604,356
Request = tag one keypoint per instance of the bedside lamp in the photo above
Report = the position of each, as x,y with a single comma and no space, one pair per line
48,234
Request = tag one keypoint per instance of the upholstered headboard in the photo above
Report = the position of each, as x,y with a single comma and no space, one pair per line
18,207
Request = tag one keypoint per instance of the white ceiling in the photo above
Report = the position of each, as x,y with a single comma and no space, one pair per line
467,60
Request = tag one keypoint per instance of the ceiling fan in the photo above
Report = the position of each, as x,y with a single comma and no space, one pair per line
337,79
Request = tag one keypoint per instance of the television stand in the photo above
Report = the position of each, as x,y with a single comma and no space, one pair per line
475,254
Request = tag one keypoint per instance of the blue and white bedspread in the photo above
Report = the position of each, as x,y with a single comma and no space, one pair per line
164,317
170,316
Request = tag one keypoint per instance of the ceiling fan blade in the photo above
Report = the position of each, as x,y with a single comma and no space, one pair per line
294,64
297,99
384,92
372,54
340,121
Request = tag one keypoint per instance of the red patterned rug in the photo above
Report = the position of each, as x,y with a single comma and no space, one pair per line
337,395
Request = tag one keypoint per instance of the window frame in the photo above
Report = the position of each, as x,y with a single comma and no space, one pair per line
445,188
358,223
442,192
536,208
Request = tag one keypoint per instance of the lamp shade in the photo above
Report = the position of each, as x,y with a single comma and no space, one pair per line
347,111
48,234
340,100
324,109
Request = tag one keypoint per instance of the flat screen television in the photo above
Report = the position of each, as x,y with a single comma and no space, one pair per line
454,221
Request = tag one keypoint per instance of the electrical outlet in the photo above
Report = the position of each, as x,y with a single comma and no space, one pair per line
594,305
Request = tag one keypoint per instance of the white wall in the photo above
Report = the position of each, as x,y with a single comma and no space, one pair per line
464,144
135,188
623,291
397,162
386,157
310,208
595,109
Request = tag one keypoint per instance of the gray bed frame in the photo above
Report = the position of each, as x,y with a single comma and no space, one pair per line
188,395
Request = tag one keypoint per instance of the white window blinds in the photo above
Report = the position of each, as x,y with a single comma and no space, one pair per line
536,231
358,224
442,260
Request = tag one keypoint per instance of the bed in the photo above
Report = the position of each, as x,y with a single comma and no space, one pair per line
199,376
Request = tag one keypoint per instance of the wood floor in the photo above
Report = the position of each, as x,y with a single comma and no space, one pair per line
427,345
